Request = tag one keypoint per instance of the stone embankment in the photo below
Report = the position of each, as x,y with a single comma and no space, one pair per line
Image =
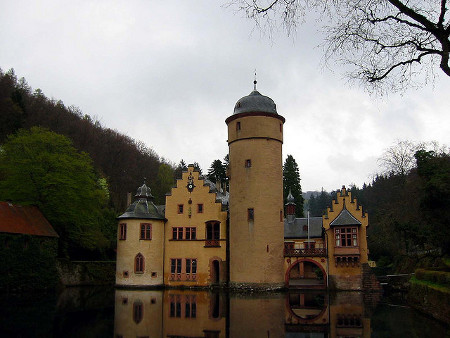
429,292
79,273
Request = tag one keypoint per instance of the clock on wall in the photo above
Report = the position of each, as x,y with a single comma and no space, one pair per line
190,186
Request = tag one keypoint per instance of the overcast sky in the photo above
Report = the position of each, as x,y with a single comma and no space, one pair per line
169,73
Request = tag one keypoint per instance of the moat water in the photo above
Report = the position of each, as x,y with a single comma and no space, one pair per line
105,312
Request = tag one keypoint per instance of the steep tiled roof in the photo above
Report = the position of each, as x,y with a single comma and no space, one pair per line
345,218
18,219
296,229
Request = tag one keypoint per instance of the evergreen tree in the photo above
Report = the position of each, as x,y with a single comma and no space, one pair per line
318,204
178,172
291,181
216,172
197,168
434,173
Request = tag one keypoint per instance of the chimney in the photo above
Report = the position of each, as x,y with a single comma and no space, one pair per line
128,198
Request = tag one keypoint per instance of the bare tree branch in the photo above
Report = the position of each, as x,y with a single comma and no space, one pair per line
388,42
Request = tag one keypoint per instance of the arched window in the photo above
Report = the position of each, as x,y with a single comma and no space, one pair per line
138,311
139,263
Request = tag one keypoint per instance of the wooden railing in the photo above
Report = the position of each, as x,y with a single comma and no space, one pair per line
211,243
305,252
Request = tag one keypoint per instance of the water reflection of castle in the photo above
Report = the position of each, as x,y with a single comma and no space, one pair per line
204,236
195,314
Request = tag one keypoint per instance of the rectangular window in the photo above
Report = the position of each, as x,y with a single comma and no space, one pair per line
123,231
191,233
238,126
177,233
180,208
248,163
190,308
200,208
175,308
175,265
250,214
346,237
146,231
191,266
213,230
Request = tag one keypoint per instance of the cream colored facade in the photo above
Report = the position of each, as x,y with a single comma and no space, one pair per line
138,313
202,213
150,249
256,182
173,313
203,236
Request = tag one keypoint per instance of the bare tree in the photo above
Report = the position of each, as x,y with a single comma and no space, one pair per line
399,158
387,43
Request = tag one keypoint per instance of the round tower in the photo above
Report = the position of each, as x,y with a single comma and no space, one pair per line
255,138
140,242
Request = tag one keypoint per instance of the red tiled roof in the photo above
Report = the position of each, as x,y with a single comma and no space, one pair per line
20,219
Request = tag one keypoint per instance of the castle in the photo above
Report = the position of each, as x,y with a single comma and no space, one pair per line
247,238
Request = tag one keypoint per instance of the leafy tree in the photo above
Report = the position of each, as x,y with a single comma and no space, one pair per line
43,168
291,182
123,160
164,183
386,41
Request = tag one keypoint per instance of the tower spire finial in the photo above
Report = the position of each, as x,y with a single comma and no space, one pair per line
255,82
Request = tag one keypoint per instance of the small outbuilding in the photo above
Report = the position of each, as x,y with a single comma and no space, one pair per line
29,247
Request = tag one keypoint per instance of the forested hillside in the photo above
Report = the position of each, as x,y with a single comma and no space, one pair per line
408,204
123,161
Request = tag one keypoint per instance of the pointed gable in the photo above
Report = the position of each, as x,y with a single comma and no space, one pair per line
345,218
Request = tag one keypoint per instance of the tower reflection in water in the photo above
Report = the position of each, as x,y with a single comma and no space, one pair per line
188,313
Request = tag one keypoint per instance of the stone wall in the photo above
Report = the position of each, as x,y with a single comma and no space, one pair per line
86,273
369,281
345,282
431,300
